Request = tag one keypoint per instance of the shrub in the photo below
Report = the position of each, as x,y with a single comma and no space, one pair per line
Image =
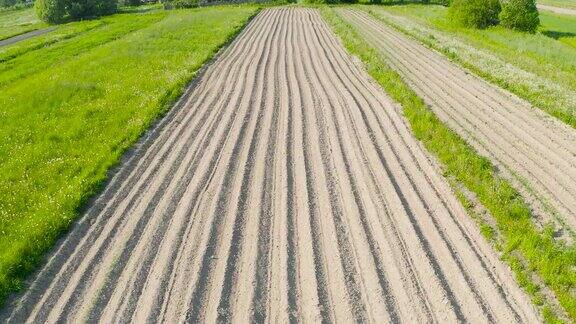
520,15
51,11
179,4
55,11
133,2
78,9
475,13
337,1
7,3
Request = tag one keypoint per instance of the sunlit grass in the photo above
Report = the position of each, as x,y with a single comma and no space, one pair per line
16,22
560,27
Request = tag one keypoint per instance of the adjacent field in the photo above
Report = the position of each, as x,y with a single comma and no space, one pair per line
15,22
74,100
517,137
496,124
559,10
539,68
286,186
571,4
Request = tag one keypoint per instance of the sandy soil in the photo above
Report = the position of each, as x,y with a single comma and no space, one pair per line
518,138
287,186
558,10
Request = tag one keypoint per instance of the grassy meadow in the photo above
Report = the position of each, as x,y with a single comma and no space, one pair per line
529,251
16,22
68,114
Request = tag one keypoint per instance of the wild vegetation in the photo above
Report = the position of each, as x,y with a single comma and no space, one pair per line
68,114
527,249
475,13
16,22
520,15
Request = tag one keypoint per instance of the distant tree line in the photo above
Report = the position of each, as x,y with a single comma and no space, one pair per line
520,15
15,4
56,11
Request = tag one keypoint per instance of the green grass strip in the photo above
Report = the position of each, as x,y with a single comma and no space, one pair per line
551,260
59,50
16,22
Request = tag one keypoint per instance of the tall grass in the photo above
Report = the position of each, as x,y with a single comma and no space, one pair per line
64,125
517,235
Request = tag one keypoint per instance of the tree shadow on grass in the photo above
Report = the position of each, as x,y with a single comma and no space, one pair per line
557,35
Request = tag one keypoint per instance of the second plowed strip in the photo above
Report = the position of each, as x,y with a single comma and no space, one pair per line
517,138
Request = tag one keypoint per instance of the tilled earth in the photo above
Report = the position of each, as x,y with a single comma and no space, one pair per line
521,140
558,10
286,186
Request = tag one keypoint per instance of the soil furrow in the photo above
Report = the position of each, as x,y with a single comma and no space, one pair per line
165,176
92,235
513,134
377,191
227,190
285,186
262,287
461,230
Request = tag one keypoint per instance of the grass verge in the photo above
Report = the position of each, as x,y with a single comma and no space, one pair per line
526,249
63,126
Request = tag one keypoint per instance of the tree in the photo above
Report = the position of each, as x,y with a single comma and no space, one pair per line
475,13
520,15
78,9
56,11
50,11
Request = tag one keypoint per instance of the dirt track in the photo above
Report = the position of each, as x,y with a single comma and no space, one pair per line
518,138
287,186
28,35
558,10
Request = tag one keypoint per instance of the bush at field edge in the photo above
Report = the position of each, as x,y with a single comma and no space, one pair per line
520,15
56,11
475,13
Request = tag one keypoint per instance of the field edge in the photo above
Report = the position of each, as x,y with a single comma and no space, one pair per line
493,192
15,282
